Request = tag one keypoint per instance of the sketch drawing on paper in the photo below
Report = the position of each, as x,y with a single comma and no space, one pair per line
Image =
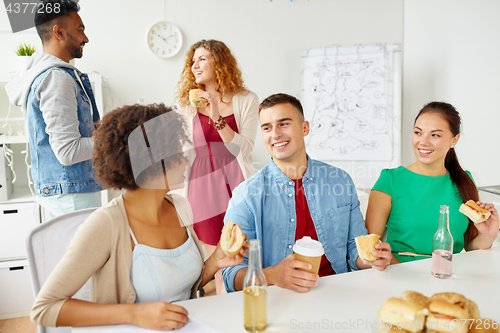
347,98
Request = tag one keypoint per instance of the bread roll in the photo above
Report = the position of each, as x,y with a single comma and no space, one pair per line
231,239
403,314
366,245
415,297
197,102
473,211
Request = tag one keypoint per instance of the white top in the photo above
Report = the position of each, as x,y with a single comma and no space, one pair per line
166,275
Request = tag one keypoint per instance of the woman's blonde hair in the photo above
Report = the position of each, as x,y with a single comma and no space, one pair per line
227,74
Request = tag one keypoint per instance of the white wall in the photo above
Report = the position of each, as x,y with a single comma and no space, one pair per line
452,54
266,38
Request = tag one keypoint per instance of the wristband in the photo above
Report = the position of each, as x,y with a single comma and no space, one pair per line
220,123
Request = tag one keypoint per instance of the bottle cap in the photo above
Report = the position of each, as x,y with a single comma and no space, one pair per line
308,247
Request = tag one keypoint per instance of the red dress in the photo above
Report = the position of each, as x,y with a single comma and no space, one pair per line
214,174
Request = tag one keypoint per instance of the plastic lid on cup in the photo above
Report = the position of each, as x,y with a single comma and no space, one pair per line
306,246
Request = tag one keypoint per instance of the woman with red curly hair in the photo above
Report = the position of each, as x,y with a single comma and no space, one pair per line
140,251
223,134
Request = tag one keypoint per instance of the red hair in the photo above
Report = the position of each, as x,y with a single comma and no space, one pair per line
227,74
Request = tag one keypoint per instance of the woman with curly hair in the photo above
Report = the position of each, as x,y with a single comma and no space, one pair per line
140,252
223,134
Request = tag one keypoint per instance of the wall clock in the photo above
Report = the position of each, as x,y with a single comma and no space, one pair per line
164,39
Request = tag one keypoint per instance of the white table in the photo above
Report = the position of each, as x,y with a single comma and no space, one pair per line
349,302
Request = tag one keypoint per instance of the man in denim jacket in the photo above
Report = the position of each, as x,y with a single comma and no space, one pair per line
61,112
295,196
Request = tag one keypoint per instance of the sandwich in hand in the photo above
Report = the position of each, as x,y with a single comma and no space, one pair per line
445,317
476,213
396,312
197,102
366,245
231,239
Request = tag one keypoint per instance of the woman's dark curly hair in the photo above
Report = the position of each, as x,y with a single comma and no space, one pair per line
111,155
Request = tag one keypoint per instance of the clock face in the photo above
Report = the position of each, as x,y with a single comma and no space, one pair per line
164,39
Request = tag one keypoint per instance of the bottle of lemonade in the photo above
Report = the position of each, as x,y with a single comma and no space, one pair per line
254,292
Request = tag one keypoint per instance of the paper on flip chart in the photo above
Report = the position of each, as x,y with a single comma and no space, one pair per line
193,326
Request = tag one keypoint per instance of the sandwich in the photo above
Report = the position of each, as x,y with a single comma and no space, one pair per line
418,298
445,317
449,297
484,326
459,300
470,306
476,213
403,315
366,245
231,239
197,102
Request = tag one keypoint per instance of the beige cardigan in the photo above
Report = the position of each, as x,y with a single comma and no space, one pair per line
102,252
246,115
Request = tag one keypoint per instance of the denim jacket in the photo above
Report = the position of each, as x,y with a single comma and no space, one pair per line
49,174
264,205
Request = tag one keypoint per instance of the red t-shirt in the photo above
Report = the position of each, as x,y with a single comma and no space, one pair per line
305,225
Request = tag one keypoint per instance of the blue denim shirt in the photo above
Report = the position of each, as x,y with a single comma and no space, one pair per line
264,205
49,175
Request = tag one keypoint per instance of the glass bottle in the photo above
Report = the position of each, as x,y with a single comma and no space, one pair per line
255,292
442,246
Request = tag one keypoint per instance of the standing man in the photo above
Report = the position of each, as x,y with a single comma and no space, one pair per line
61,112
295,196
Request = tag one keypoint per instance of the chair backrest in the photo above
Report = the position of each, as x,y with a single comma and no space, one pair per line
46,245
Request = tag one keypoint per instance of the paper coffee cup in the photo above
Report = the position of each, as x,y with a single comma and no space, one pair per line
309,250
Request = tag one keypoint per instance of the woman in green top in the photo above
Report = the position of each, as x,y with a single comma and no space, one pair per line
407,199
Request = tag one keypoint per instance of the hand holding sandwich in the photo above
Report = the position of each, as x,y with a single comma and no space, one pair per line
488,230
372,252
223,260
212,105
384,254
231,255
232,247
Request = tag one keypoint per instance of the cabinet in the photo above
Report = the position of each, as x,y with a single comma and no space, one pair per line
15,289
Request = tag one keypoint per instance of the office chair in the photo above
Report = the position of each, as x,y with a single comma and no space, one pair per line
46,245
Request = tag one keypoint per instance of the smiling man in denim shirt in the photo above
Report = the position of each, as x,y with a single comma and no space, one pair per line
296,196
61,112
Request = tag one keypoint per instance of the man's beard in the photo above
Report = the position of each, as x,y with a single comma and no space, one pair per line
76,53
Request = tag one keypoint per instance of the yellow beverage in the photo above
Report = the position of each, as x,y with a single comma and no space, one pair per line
255,309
